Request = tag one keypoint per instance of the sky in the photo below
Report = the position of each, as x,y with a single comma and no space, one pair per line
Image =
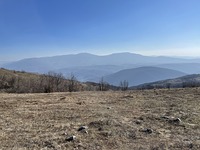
38,28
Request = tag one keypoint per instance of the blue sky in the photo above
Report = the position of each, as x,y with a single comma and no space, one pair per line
34,28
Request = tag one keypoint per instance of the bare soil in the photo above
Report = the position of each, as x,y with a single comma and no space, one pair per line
149,119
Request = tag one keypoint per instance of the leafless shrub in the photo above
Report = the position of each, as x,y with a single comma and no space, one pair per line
103,85
72,85
124,85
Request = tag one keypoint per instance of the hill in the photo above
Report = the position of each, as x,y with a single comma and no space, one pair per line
184,81
141,75
22,82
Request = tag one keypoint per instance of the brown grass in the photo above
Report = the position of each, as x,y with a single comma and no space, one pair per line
115,120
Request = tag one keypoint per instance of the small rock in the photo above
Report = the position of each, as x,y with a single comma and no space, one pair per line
141,118
85,131
71,138
109,108
100,129
62,98
172,119
83,128
165,117
149,131
138,121
65,133
175,120
80,103
190,145
48,144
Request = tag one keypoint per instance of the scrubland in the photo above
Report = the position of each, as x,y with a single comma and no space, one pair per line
146,119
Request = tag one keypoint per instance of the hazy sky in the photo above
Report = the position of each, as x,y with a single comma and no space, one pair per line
32,28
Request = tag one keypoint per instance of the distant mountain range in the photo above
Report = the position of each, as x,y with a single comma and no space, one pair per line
44,64
89,67
142,75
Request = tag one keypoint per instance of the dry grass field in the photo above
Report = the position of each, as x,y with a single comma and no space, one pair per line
149,119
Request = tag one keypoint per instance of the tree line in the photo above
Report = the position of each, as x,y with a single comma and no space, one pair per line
45,83
51,82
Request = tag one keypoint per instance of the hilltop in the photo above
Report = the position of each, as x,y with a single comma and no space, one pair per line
147,119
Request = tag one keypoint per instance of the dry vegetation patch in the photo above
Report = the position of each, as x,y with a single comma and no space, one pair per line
114,120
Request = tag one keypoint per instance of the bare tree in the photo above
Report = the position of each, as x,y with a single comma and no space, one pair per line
57,80
124,85
168,85
103,85
52,81
72,83
48,87
2,83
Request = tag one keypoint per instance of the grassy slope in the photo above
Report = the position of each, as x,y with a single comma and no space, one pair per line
115,120
12,73
28,81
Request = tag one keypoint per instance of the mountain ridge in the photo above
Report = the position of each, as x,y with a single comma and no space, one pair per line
87,59
86,66
141,75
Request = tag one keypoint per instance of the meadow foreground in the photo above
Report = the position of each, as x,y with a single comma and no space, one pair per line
149,119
